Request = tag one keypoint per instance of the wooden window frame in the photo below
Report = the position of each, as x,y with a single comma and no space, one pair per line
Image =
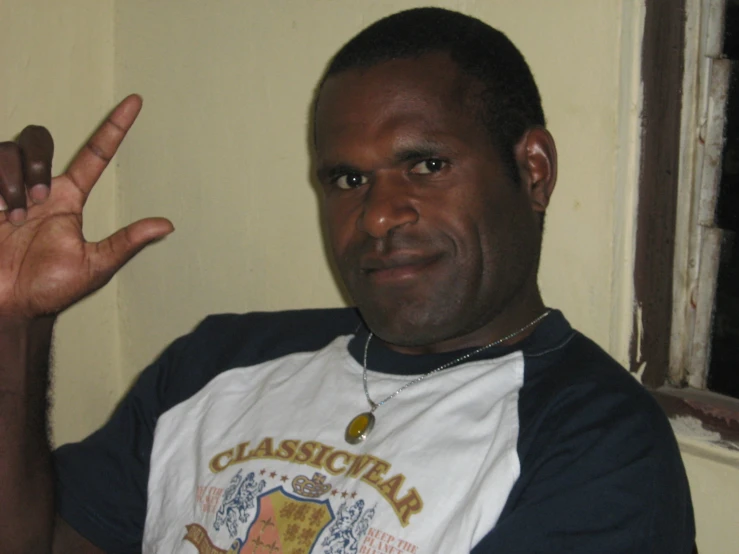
677,244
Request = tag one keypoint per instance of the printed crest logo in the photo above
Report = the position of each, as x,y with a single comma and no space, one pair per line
237,499
287,523
311,488
283,524
350,526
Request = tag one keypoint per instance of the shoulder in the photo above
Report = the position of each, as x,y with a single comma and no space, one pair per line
244,339
585,420
578,387
225,341
600,468
567,374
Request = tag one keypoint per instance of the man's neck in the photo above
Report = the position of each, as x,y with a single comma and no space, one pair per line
515,319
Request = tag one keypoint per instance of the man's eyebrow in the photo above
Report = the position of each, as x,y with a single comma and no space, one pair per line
419,151
414,154
406,151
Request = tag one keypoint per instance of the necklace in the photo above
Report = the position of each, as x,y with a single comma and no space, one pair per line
361,426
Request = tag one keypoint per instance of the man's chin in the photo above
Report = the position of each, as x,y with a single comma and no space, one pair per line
403,328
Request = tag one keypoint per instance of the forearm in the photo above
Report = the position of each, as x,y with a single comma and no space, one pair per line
26,478
46,266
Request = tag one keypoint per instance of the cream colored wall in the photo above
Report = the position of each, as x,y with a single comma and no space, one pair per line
714,483
56,68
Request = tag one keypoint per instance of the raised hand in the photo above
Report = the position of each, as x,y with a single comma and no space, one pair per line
45,263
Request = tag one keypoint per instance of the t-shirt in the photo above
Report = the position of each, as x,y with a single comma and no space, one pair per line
234,441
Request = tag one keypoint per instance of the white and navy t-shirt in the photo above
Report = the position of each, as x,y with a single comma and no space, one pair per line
233,441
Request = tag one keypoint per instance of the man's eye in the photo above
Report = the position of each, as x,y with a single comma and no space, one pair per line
432,165
350,181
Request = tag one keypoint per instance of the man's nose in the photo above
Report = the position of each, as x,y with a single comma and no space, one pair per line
389,204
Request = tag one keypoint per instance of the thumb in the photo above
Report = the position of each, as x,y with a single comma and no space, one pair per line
109,255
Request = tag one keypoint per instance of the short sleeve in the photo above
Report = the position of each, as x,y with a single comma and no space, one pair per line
601,472
101,482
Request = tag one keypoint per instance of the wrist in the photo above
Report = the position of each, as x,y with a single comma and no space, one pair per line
24,345
16,333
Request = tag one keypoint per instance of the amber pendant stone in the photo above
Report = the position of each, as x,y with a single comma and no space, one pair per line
359,428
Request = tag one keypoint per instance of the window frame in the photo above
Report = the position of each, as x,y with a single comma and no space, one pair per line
677,247
697,238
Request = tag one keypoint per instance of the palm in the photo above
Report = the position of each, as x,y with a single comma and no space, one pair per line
44,261
45,264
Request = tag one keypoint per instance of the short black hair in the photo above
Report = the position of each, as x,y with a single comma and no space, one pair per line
509,103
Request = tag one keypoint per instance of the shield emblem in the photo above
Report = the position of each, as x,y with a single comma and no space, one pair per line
285,524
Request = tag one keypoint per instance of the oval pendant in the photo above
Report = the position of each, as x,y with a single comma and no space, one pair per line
359,428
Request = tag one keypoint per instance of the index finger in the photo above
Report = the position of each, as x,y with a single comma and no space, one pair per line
91,161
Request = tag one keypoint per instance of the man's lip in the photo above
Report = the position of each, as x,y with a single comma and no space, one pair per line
396,267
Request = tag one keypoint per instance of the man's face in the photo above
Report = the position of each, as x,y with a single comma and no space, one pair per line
432,238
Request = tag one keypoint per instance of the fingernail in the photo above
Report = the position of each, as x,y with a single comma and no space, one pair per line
17,216
39,193
3,205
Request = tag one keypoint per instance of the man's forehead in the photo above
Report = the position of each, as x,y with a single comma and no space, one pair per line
432,80
432,71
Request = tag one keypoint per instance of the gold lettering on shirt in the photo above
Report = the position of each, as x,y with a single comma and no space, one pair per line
367,468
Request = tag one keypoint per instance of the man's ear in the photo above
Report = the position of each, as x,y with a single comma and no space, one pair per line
536,157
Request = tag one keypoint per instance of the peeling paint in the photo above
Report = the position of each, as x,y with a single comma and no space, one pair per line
637,363
692,428
638,373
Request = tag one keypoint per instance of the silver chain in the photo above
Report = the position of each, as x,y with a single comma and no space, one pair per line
375,405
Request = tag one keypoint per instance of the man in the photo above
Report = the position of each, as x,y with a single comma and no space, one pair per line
451,412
